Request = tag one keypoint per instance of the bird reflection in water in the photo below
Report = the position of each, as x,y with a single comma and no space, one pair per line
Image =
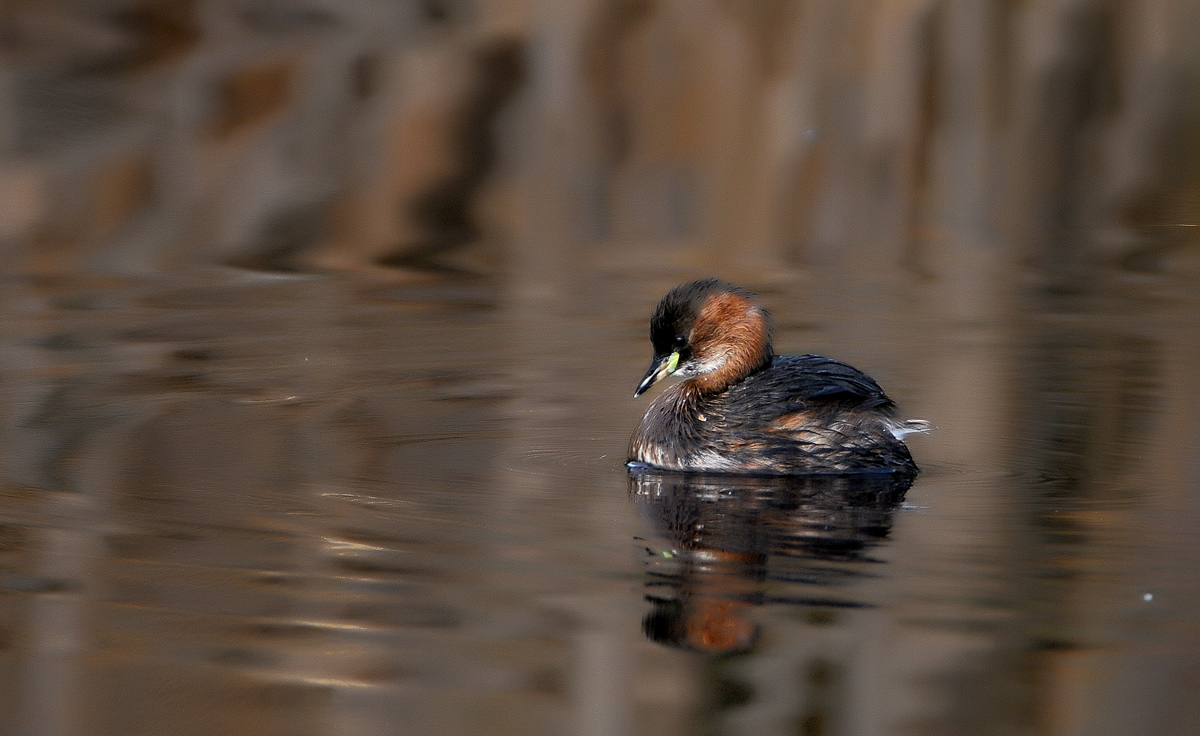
730,543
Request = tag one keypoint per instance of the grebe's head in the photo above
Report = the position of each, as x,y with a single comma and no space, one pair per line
709,331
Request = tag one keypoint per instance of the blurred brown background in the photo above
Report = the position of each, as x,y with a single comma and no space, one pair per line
289,135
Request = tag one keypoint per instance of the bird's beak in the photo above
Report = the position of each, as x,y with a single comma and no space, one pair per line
659,369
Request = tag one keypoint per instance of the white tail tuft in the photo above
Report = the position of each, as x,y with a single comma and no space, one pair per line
912,426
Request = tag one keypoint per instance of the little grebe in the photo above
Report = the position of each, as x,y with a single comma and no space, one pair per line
744,410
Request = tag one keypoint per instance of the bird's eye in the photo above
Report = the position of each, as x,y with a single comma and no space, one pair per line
680,341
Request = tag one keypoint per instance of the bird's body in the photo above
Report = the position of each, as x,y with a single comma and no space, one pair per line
744,410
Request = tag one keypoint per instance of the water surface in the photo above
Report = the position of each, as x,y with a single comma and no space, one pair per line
241,503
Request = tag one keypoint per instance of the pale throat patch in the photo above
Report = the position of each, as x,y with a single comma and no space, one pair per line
714,363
